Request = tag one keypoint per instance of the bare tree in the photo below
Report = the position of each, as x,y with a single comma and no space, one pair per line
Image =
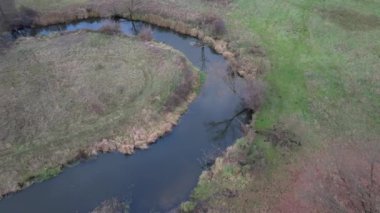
352,182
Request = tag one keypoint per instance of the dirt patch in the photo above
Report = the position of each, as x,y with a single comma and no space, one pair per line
351,20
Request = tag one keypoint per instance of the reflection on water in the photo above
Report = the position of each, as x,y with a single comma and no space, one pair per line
158,178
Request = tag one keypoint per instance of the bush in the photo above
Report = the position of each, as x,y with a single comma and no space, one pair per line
213,23
145,34
110,28
253,94
218,27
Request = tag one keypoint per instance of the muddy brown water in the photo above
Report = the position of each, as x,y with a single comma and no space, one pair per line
157,179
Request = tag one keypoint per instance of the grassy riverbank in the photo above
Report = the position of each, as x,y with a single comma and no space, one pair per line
68,96
323,94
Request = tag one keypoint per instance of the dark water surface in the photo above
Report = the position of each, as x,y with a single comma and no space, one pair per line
153,180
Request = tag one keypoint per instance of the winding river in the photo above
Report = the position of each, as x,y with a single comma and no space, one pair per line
153,180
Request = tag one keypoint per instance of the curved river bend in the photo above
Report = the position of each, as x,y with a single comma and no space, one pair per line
153,180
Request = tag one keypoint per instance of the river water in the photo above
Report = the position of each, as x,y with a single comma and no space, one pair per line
157,179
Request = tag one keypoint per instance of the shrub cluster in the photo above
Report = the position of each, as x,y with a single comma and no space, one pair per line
110,28
145,34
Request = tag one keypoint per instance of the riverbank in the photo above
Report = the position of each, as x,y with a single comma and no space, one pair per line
65,107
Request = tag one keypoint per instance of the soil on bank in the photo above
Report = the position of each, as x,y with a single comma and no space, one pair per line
73,95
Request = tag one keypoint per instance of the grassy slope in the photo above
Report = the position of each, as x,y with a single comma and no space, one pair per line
323,86
324,61
61,94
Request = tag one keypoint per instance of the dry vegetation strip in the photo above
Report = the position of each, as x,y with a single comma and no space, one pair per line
71,95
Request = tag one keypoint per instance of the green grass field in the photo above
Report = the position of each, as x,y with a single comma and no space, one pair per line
62,94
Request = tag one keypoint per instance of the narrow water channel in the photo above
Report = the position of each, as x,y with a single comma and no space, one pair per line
153,180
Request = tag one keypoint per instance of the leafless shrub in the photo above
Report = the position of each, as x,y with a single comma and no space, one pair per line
110,28
213,23
219,27
253,94
113,205
145,34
